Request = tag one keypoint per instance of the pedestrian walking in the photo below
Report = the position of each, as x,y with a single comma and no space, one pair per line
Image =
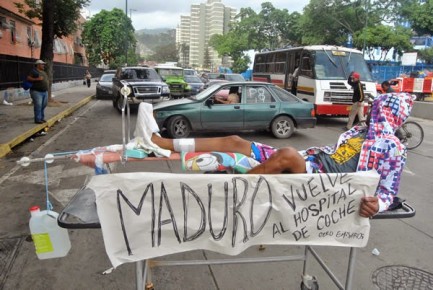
39,91
87,77
357,100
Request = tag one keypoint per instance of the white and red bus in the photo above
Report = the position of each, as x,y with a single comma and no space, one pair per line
322,76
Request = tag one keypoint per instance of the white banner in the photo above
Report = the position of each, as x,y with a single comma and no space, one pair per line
147,215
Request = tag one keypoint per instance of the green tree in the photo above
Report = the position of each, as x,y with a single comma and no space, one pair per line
384,37
108,36
331,21
426,55
420,16
206,58
270,28
59,19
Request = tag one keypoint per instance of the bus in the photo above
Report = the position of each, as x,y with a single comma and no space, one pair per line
323,71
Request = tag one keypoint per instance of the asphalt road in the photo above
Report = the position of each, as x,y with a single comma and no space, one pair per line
407,242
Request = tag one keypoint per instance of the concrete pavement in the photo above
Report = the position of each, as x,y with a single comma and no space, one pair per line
16,121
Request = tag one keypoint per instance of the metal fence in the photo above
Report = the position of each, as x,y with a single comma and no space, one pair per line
13,69
386,72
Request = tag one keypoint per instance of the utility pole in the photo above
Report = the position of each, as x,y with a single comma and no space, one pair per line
127,42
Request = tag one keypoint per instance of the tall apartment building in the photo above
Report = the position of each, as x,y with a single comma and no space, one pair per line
194,31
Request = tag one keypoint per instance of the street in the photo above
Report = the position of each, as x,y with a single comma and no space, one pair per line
403,242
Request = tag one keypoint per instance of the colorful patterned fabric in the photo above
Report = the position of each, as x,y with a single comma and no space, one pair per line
381,149
261,152
217,161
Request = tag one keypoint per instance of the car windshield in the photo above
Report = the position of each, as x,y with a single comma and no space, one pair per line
192,79
189,72
235,78
206,93
142,74
107,78
213,76
337,65
164,72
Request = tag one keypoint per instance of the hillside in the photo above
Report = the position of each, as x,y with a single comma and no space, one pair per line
148,40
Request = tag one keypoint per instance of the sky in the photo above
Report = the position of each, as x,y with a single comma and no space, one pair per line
152,14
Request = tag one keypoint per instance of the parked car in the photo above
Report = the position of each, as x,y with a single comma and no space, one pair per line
195,83
214,78
189,72
104,86
262,106
144,83
173,77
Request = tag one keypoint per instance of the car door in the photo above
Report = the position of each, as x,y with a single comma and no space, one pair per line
260,106
222,116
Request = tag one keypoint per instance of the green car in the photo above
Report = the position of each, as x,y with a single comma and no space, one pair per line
173,77
262,106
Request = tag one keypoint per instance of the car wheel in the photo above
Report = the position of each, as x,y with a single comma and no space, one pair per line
282,127
178,127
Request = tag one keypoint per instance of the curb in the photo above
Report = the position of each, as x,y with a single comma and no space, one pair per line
6,148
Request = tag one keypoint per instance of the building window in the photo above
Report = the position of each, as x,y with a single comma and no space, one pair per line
29,36
13,31
3,23
36,39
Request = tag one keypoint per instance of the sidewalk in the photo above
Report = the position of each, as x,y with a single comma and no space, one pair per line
16,121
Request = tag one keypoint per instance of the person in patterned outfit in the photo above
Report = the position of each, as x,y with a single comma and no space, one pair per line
361,148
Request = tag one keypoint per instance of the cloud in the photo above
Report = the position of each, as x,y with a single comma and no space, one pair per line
166,14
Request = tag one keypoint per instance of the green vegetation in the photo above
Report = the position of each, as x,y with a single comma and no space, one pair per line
159,43
109,38
58,20
371,23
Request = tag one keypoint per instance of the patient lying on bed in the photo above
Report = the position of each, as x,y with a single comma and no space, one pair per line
362,148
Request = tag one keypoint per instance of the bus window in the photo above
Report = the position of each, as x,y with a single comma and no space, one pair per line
306,66
306,63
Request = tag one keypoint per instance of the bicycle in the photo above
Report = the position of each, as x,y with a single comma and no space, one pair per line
411,134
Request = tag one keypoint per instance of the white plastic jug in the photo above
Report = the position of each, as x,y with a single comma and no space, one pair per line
51,241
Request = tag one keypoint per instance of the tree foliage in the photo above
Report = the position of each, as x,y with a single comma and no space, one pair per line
65,13
384,37
108,36
420,16
426,55
59,19
270,28
154,40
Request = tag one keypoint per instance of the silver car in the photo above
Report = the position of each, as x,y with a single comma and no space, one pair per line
104,87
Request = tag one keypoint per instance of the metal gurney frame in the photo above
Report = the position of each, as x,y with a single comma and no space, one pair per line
81,213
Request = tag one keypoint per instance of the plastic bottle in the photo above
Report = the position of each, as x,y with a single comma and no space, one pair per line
51,241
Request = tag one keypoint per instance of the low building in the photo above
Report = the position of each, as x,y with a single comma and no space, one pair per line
20,46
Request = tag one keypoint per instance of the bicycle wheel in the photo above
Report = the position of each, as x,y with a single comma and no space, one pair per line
411,134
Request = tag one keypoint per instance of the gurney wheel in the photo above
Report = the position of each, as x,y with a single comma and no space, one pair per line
309,283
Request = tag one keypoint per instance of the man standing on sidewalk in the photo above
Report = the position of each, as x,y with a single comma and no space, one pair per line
39,90
357,99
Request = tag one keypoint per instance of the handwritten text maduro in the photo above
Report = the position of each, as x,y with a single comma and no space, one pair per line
241,206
